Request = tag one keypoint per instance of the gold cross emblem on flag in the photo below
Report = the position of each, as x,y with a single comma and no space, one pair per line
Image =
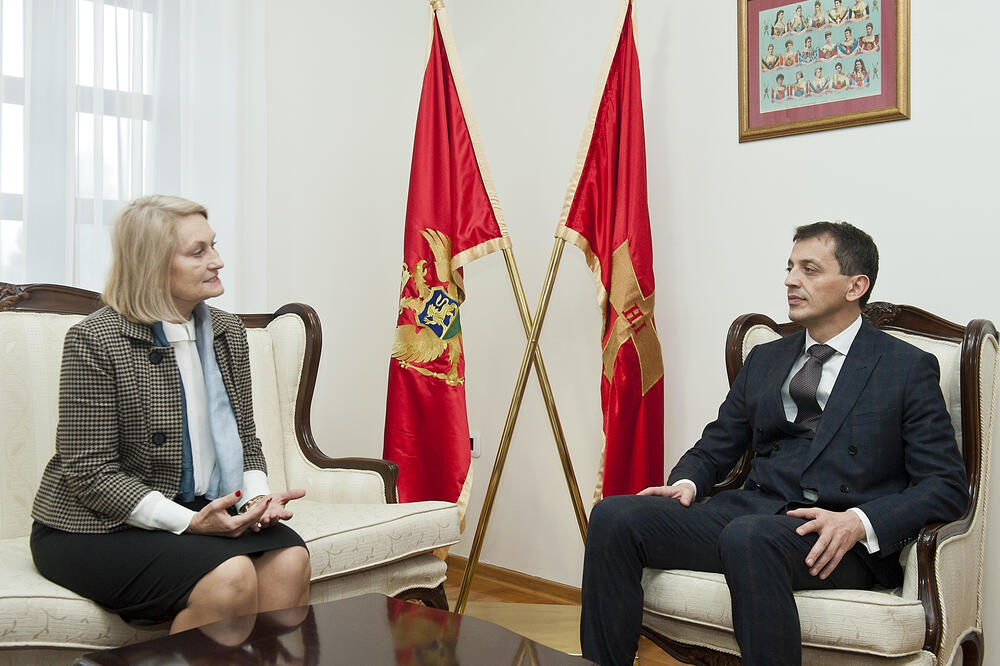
634,322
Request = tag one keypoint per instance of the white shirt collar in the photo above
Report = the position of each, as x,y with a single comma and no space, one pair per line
841,342
179,332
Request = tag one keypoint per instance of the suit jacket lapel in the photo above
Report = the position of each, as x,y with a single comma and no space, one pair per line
857,368
789,352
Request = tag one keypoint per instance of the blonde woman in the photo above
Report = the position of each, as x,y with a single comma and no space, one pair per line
156,504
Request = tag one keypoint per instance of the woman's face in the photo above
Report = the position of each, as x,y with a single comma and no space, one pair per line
781,15
194,269
847,34
819,72
857,66
869,29
839,68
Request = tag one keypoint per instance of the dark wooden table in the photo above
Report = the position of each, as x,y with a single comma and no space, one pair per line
370,630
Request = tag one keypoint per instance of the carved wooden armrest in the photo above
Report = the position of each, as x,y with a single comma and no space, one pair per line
929,540
388,470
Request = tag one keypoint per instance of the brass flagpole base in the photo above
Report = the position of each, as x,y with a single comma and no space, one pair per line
508,430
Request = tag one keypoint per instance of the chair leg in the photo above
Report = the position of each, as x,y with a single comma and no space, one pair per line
434,598
690,654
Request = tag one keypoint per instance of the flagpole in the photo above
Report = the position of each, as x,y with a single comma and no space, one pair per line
548,397
508,429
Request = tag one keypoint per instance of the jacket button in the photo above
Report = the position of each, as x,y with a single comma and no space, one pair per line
155,357
159,438
852,450
845,489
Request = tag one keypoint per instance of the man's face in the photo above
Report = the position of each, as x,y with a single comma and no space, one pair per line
817,292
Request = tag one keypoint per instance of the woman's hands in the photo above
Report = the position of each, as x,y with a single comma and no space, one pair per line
214,519
276,509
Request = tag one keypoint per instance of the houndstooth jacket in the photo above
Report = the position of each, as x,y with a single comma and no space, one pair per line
120,420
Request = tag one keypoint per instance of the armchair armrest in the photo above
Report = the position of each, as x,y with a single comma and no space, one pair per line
389,471
351,479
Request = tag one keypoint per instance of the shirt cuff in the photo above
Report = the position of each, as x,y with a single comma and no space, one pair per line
155,512
254,484
871,539
689,482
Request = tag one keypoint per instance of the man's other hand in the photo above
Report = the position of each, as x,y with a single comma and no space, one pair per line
682,492
838,532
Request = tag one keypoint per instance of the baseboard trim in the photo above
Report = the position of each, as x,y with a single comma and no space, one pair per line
557,592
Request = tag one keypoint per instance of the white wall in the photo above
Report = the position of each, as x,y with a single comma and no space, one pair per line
343,81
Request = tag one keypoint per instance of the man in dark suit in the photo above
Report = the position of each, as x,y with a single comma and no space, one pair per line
854,452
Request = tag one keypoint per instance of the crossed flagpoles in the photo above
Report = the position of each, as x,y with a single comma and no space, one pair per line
532,356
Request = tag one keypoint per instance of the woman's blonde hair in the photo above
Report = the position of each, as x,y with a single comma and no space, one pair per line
143,241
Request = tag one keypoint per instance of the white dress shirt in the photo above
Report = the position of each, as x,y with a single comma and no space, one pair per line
841,344
154,511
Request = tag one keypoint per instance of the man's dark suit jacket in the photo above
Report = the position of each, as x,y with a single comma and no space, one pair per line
884,444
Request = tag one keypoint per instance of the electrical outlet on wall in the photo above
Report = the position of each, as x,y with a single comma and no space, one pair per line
475,442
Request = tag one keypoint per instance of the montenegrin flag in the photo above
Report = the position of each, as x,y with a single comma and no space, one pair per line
452,217
606,215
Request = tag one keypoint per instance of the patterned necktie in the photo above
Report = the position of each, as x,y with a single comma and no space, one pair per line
803,386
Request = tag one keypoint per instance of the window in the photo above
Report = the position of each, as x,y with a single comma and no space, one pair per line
75,119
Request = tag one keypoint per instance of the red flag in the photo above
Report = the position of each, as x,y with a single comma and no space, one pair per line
451,219
607,216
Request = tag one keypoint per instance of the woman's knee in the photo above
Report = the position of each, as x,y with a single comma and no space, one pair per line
233,583
289,565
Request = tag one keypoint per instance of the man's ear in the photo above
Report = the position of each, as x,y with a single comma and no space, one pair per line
859,287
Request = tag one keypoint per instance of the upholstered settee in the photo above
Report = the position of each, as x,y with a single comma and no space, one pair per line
360,538
937,613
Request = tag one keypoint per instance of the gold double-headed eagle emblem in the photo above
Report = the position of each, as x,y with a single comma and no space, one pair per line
438,327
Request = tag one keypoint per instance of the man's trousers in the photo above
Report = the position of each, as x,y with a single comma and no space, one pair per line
737,533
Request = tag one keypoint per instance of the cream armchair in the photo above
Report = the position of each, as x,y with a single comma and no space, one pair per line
360,539
937,613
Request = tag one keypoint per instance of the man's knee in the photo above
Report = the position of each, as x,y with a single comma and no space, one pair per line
608,517
751,534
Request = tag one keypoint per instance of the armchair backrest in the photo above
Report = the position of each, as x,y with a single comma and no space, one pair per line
284,358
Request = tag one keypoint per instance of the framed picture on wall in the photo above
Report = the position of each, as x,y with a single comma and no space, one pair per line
822,64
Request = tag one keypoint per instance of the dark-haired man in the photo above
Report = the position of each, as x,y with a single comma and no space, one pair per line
854,453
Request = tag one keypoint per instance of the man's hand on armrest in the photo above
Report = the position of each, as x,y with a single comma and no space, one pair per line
681,491
838,532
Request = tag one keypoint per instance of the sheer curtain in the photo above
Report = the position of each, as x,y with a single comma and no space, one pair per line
106,100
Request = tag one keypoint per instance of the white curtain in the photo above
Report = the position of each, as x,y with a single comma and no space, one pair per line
112,99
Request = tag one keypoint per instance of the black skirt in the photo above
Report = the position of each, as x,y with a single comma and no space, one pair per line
145,576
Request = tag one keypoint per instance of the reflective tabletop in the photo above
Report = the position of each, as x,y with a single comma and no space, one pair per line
369,630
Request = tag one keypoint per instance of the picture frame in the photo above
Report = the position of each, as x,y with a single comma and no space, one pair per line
816,65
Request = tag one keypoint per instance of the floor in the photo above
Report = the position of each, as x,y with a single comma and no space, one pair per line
541,610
